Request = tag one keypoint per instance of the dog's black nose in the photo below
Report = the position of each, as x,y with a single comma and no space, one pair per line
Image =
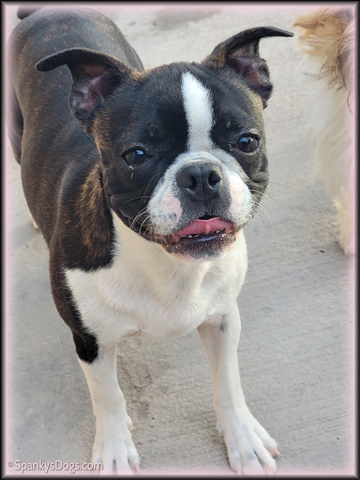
201,181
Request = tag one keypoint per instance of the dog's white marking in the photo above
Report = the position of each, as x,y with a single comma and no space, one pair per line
171,206
199,112
241,200
165,207
150,291
247,441
113,440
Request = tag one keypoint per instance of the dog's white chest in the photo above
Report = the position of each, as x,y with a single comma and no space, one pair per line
145,291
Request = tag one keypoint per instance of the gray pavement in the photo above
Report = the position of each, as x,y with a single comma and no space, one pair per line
296,352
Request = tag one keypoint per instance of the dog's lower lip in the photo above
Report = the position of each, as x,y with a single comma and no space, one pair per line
174,239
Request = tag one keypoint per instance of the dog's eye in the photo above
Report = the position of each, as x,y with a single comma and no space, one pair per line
135,157
247,144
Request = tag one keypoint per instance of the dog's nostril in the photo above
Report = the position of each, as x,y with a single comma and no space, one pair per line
187,179
214,179
192,183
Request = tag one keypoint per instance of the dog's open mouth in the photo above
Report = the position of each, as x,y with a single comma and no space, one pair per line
202,237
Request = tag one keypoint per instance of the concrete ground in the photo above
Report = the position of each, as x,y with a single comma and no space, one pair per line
296,352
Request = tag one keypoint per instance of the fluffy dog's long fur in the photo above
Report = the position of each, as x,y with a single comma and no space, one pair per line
327,37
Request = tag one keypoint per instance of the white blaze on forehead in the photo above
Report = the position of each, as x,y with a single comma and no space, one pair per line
199,113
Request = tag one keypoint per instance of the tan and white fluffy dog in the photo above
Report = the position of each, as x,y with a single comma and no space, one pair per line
327,38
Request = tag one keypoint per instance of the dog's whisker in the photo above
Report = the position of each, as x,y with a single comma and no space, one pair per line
164,240
262,208
256,215
136,198
156,175
146,218
148,230
282,184
264,195
142,212
270,220
134,221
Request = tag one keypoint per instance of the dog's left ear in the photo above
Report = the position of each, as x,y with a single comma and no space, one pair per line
95,76
241,53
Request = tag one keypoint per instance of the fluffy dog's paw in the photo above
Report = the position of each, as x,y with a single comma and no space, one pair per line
250,448
114,448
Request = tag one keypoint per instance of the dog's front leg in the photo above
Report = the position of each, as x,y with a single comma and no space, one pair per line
248,443
113,444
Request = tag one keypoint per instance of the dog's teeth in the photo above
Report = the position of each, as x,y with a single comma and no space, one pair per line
217,231
190,236
196,236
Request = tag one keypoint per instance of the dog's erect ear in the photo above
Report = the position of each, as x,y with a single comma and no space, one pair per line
241,53
95,76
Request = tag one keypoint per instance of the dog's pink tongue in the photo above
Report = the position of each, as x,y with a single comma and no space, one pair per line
203,227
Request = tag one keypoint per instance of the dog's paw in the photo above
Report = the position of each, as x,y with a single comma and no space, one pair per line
114,448
250,448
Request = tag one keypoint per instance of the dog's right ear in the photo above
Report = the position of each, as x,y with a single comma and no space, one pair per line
95,76
241,54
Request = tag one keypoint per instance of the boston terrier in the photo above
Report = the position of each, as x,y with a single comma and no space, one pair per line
141,183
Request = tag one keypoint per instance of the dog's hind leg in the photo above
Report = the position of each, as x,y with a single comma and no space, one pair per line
249,446
113,445
15,122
